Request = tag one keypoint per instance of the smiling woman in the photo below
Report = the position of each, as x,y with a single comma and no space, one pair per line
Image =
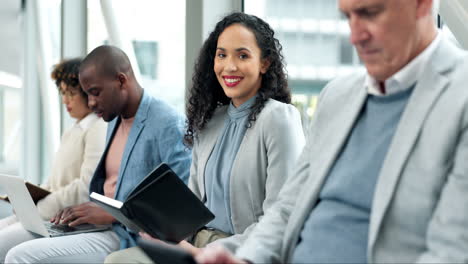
254,55
245,133
238,64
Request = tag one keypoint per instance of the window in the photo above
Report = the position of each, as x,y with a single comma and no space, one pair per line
153,31
10,87
314,36
448,33
10,120
346,51
30,32
147,57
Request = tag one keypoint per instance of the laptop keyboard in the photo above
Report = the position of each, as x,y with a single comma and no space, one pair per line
62,228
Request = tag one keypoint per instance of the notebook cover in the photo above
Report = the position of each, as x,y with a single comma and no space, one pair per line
116,212
162,253
37,193
166,208
4,198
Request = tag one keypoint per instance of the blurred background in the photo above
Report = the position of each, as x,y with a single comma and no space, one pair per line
162,39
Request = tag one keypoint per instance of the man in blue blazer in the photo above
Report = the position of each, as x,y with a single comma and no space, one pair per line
384,175
143,132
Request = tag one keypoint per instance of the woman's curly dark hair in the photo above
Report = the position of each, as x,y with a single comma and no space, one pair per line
206,93
67,71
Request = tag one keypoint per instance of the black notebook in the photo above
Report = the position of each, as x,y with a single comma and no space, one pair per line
37,193
163,253
160,205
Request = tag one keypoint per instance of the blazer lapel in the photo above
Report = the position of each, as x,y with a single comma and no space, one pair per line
207,145
329,135
337,126
425,94
135,131
131,141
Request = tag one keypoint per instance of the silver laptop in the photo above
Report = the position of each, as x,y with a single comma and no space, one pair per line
27,213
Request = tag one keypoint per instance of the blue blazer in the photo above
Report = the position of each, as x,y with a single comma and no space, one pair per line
155,137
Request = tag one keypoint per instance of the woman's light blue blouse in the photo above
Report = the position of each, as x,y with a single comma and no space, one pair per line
219,165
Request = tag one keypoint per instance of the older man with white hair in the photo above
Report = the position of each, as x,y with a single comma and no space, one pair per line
384,174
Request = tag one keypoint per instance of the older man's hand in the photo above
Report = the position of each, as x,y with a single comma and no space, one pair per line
216,254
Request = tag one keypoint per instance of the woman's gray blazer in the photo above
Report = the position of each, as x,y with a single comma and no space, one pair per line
266,156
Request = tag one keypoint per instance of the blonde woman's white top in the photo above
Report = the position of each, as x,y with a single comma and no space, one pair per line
80,149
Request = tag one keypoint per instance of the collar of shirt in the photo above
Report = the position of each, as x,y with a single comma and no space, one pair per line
243,109
86,122
406,76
